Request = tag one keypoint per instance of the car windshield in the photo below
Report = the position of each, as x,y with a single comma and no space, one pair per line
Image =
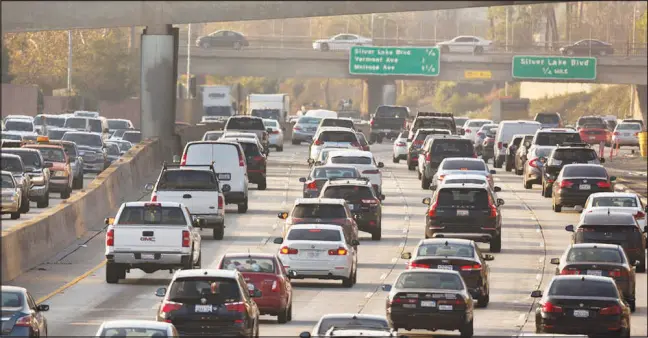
392,112
453,148
323,173
590,120
132,137
245,124
7,182
575,155
608,255
338,136
117,124
29,158
554,138
423,134
351,160
212,136
463,197
309,120
70,149
218,111
187,180
213,290
464,165
17,125
52,154
547,118
628,126
337,123
55,134
584,171
267,113
7,136
325,235
583,288
90,140
133,332
11,299
152,215
347,192
429,280
449,249
11,165
319,211
270,123
39,120
76,123
465,180
112,149
249,264
615,201
351,323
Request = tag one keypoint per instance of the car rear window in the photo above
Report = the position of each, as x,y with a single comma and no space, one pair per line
187,180
152,216
351,323
583,288
133,332
465,180
338,136
464,165
19,125
11,164
584,171
348,192
614,234
132,137
337,123
392,112
11,299
590,120
615,201
575,155
95,125
250,149
91,140
118,124
205,153
547,118
607,255
266,113
628,126
29,158
326,235
463,197
456,148
214,290
433,122
249,264
429,280
451,249
212,136
245,124
351,160
595,126
52,154
553,138
75,122
7,182
422,134
322,173
309,120
319,211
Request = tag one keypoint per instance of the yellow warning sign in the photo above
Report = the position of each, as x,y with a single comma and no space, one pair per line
478,74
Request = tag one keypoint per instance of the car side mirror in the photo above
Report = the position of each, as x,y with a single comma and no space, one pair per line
426,201
493,172
48,164
226,188
387,287
256,293
176,158
646,228
160,292
277,240
569,228
646,209
269,130
318,163
302,179
602,160
381,165
292,273
282,215
355,242
406,255
527,144
637,263
555,261
305,335
199,222
148,187
488,257
79,158
500,202
42,307
311,161
109,220
536,294
613,178
106,131
497,189
578,208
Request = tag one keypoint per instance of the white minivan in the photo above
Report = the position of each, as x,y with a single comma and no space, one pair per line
229,163
505,132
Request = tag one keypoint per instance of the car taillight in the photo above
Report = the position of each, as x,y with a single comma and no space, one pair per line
275,286
441,177
468,131
417,266
533,162
241,159
235,307
311,186
186,239
371,122
610,310
371,172
616,133
493,210
275,132
220,202
639,215
427,157
418,143
565,184
24,321
474,155
617,273
499,145
153,197
603,184
470,267
257,158
370,201
480,134
636,134
570,271
337,252
110,237
288,251
168,307
549,307
457,304
318,142
184,159
432,211
401,144
297,128
405,124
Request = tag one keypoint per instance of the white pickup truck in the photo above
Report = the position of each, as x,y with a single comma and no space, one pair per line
198,188
151,237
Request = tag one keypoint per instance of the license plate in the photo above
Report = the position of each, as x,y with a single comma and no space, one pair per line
313,254
581,313
428,303
224,177
148,256
203,308
445,307
592,137
584,187
462,212
444,267
594,272
409,306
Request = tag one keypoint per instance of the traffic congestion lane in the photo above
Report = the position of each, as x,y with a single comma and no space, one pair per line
55,199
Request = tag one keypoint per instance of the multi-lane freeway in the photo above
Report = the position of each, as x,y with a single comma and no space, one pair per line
73,284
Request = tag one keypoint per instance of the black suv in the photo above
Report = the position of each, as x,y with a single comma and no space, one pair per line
440,148
468,211
256,161
362,201
576,182
567,153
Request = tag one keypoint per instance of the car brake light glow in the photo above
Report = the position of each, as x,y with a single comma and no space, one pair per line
153,197
639,215
417,266
275,132
311,186
318,142
241,159
401,144
441,177
470,267
371,122
24,321
418,143
499,145
468,131
275,286
235,307
549,307
110,237
370,201
492,207
152,204
533,162
337,252
570,271
184,159
257,158
610,310
603,184
616,133
427,157
168,307
432,211
480,134
615,273
297,128
288,251
220,202
186,239
565,184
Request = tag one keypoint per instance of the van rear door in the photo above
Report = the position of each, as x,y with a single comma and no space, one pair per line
228,163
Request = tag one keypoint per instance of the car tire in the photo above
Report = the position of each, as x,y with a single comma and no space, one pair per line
65,194
279,149
290,312
395,159
410,166
295,142
262,185
15,215
425,183
24,205
348,282
633,305
379,139
218,233
282,318
237,45
43,202
375,236
467,330
112,273
642,265
418,174
77,182
199,264
496,163
508,166
556,207
189,265
243,207
496,244
527,185
486,159
324,47
483,301
479,50
518,171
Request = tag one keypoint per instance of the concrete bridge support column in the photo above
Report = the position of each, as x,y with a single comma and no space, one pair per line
640,108
158,81
377,92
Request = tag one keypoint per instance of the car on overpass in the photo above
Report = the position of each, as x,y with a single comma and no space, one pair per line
466,44
223,38
587,47
341,42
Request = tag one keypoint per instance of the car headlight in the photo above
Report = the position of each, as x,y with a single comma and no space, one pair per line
38,180
59,174
8,197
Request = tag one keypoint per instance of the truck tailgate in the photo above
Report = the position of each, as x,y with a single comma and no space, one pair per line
198,202
388,123
145,238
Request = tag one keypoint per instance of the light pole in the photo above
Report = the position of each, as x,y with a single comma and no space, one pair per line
188,61
69,67
373,16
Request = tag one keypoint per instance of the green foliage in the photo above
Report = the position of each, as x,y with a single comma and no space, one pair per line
642,27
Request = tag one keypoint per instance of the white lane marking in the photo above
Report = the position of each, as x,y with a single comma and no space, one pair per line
407,218
264,240
541,259
521,317
404,230
155,306
394,260
274,227
537,229
383,276
402,245
538,276
541,244
497,179
368,295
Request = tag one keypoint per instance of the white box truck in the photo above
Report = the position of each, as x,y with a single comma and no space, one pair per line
269,106
218,102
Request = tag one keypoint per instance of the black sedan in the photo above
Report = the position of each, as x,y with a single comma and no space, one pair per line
223,38
562,156
597,259
576,182
589,305
588,47
430,300
21,317
458,255
321,174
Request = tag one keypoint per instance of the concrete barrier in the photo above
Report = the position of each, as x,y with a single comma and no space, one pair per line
34,241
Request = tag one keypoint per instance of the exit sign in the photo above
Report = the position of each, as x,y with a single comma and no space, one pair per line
414,61
554,68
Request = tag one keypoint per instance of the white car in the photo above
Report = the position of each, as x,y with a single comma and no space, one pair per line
461,165
363,161
471,128
354,332
324,154
468,179
348,321
333,137
319,251
275,134
127,328
341,42
616,202
465,44
399,151
626,134
20,126
214,135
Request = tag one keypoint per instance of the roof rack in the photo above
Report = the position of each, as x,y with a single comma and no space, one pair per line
177,165
573,144
349,179
435,114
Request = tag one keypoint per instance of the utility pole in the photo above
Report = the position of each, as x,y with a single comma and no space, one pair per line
506,29
69,68
188,61
373,16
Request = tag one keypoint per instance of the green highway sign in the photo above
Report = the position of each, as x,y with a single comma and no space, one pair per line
414,61
554,68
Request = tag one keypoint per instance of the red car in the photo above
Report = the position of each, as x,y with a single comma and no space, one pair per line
267,274
595,134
